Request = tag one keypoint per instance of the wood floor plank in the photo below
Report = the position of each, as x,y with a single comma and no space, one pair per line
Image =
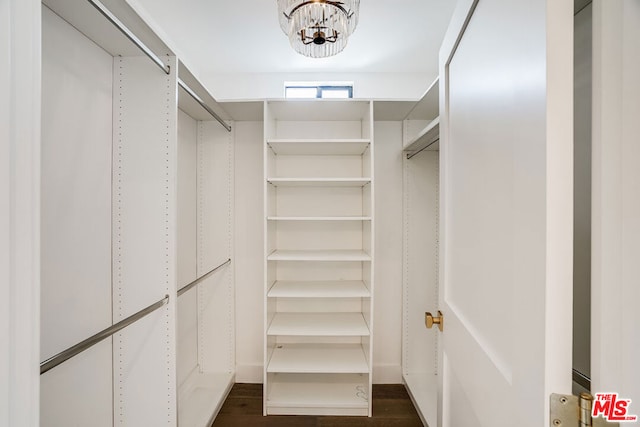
392,407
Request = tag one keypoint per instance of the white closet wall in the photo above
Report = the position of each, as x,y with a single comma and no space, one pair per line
76,223
249,252
187,245
387,340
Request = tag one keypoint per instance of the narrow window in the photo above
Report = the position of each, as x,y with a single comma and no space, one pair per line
315,90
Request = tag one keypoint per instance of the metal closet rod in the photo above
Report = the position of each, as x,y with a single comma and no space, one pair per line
100,336
155,58
191,93
410,156
201,278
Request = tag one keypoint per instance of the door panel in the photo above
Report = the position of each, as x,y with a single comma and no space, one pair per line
506,181
616,200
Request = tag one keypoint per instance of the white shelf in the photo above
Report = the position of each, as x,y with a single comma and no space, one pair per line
201,398
318,359
319,289
322,147
313,394
318,324
319,182
423,389
319,218
319,255
426,139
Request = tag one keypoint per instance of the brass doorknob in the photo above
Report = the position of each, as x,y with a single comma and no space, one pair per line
429,320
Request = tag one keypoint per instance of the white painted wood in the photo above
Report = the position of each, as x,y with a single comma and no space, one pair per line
300,394
248,256
506,253
318,324
420,281
322,182
20,40
318,166
202,396
317,201
144,245
187,327
319,289
319,255
216,315
616,202
387,307
318,218
423,390
318,110
89,21
426,139
428,106
318,359
318,146
77,80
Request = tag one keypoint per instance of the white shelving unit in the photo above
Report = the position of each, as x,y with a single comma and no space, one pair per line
319,257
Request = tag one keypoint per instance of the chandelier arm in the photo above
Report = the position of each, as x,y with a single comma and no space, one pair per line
336,4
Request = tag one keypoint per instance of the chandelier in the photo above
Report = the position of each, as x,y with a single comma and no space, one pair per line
318,28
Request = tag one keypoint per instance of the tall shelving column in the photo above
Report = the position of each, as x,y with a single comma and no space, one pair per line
318,257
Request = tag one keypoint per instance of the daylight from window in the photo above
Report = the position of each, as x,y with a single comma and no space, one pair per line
304,90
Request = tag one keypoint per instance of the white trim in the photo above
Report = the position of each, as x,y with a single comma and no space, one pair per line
20,213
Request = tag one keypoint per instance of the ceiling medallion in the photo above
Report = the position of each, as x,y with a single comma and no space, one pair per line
318,28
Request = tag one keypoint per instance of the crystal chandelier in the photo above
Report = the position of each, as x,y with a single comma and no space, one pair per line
318,28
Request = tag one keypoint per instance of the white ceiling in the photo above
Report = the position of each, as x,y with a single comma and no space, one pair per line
243,36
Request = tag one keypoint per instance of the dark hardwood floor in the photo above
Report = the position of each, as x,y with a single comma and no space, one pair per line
392,407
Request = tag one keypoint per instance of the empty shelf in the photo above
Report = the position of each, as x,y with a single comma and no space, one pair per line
318,324
318,359
319,182
314,394
319,218
423,389
319,146
319,289
319,255
426,139
202,397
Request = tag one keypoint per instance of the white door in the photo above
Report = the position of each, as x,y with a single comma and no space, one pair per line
506,101
615,338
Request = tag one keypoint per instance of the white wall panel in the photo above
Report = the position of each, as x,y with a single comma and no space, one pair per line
248,253
616,199
19,211
187,337
76,223
144,246
388,241
216,333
